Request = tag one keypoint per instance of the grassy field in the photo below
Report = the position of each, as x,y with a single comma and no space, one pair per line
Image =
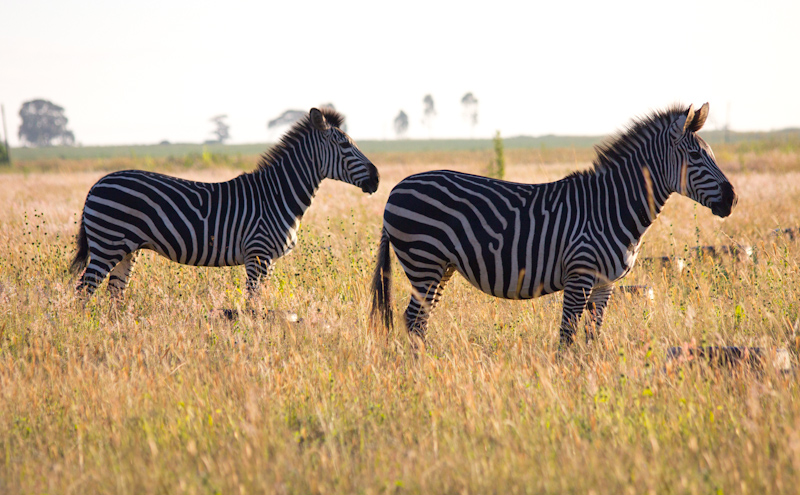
786,140
180,151
158,394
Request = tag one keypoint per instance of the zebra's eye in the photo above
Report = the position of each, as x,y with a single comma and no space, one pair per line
695,156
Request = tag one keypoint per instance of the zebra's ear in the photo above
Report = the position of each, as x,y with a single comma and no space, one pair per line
678,127
318,120
699,119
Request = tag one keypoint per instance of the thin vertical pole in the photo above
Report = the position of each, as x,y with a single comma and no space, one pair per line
5,132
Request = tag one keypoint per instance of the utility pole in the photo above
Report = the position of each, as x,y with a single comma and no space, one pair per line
5,132
728,123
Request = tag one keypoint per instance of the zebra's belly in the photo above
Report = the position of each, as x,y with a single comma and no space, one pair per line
516,286
207,261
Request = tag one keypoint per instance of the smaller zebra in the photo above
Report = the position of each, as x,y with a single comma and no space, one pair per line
519,241
251,220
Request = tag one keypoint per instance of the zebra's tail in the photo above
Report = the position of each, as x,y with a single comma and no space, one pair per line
82,255
381,312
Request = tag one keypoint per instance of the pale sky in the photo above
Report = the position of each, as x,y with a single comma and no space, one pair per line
141,72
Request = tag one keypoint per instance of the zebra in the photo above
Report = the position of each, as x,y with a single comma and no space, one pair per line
520,241
252,219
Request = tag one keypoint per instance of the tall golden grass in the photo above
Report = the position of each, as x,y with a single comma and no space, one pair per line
158,394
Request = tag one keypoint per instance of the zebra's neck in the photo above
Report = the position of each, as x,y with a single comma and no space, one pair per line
290,181
638,188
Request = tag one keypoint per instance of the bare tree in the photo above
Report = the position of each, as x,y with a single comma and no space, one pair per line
222,130
429,111
470,104
401,124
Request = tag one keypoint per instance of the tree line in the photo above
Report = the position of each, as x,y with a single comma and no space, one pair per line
469,105
44,123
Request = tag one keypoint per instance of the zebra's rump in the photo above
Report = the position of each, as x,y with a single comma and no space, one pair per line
501,236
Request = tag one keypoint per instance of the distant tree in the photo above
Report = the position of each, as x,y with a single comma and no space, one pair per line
3,154
429,111
288,117
222,130
401,124
470,104
42,123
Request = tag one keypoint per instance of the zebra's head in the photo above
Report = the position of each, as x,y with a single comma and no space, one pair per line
339,158
699,178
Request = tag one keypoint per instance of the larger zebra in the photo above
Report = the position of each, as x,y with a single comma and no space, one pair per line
251,219
520,241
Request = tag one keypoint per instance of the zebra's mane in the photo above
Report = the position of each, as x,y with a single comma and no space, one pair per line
299,129
612,149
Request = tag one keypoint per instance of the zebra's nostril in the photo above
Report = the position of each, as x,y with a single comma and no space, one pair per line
727,201
729,194
375,177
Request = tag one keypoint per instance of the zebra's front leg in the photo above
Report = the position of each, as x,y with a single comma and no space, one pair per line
576,295
598,301
258,267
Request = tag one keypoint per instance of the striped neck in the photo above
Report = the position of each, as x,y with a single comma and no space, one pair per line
635,174
290,177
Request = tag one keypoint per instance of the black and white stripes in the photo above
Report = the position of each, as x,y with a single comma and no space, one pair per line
251,220
519,241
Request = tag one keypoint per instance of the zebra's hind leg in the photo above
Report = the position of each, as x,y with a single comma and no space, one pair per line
100,263
598,301
425,295
576,295
120,274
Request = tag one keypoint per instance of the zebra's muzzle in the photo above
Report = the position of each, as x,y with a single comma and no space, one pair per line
725,205
371,185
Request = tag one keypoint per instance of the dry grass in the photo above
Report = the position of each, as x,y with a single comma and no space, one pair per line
157,395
